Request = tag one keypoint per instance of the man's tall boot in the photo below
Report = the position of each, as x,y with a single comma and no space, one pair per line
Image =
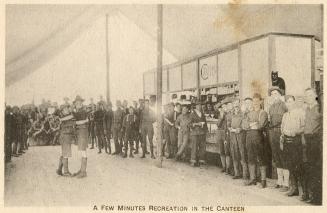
236,170
136,147
223,163
125,150
131,153
60,165
252,172
92,143
294,191
82,172
109,146
228,165
66,170
263,172
152,154
245,171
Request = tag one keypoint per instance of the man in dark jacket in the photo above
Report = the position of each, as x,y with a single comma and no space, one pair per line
198,135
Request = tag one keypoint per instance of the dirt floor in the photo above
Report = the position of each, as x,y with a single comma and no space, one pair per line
30,180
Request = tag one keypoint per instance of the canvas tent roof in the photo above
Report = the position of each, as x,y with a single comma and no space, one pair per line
35,33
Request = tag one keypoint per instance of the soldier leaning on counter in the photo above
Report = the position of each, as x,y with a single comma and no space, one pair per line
81,117
198,133
147,118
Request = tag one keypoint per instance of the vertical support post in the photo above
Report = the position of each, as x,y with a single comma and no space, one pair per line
271,57
159,83
313,62
198,79
240,81
107,61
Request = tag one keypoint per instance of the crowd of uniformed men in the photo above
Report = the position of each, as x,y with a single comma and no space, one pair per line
294,135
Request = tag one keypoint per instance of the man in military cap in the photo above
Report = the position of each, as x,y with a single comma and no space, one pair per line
198,133
117,127
66,136
108,121
99,120
276,112
80,115
147,118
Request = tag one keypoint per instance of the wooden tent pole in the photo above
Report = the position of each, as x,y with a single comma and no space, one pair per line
159,84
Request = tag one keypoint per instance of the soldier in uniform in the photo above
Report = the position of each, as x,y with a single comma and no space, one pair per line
276,112
183,124
257,120
147,118
55,127
137,111
91,126
236,138
80,115
170,133
8,133
290,143
117,127
129,123
313,139
224,148
108,121
99,120
246,107
198,135
66,136
18,139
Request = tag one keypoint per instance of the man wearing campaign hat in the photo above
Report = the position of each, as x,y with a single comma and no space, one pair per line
81,117
66,136
276,112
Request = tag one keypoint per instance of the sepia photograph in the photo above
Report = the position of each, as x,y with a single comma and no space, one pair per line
163,106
